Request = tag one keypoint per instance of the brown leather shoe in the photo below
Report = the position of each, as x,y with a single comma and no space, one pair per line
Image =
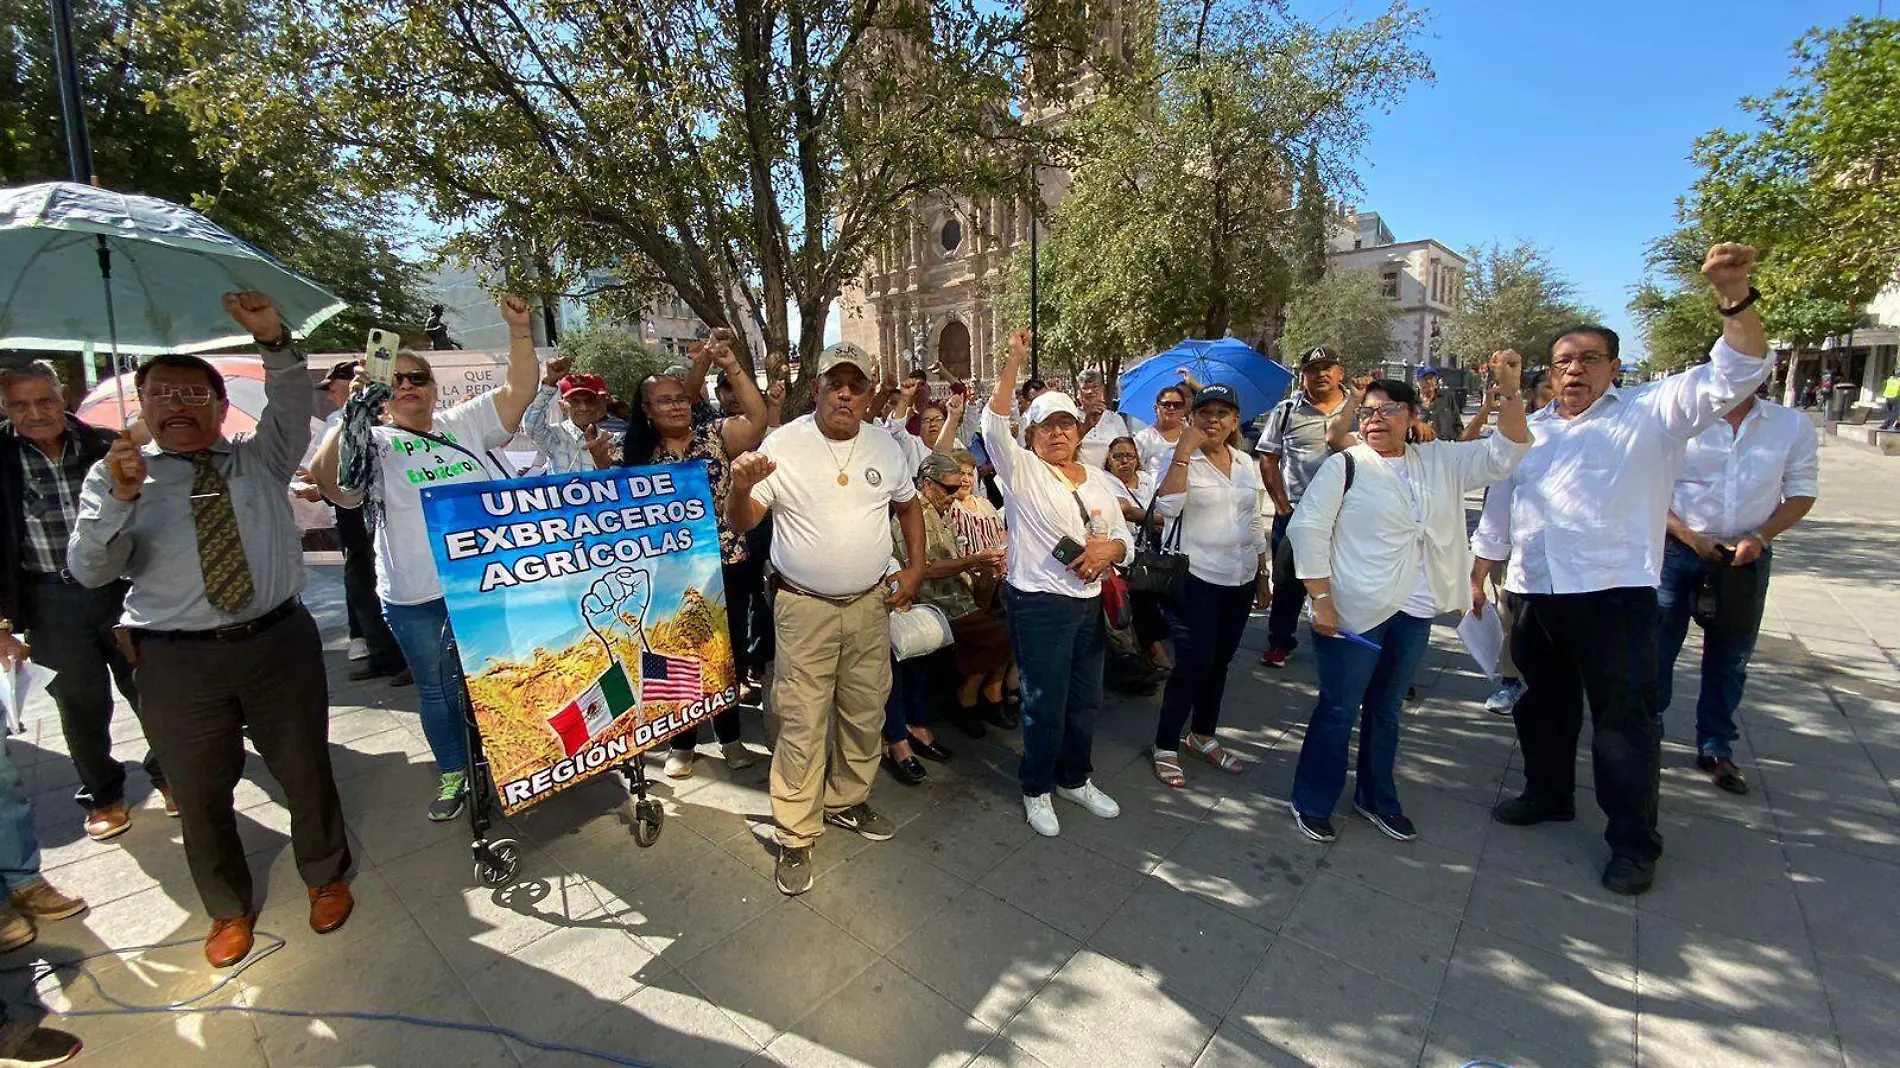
330,906
107,821
229,941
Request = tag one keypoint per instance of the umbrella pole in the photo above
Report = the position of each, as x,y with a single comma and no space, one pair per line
112,325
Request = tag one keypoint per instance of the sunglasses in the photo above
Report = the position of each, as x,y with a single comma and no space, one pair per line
418,379
189,396
1173,406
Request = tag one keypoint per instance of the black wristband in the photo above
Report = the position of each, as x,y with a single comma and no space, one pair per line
1740,306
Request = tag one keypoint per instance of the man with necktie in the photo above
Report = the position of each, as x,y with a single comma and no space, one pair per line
201,528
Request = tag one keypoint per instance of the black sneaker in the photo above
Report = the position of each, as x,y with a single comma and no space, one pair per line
793,873
450,797
1319,830
862,819
1395,826
1525,811
27,1045
1627,875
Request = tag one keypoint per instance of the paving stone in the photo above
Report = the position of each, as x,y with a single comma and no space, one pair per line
772,972
1580,923
1380,934
883,1019
1097,1011
882,895
1191,949
1554,1001
1329,1013
1769,977
986,956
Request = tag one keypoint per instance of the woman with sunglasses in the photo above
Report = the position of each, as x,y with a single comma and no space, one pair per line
1212,494
419,446
661,431
1379,542
1155,442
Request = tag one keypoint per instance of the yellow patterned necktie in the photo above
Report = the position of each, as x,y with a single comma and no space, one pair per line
220,548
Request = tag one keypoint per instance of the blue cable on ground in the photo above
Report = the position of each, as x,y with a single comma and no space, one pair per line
270,943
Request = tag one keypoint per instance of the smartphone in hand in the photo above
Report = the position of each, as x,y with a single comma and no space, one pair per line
1068,551
379,356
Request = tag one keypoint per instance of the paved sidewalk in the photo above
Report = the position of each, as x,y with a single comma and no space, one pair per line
1197,929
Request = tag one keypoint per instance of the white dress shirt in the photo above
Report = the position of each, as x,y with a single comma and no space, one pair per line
1733,480
1376,540
1586,509
1221,528
1156,451
1040,509
1092,450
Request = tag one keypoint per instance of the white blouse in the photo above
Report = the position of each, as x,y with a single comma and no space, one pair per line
1222,529
1373,541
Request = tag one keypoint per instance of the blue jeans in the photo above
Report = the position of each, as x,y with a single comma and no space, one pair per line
1289,593
422,630
19,846
1059,644
1357,682
1725,654
1207,622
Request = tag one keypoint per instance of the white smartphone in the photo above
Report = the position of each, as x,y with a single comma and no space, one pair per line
380,356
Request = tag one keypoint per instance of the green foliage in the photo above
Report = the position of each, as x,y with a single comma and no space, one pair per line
1514,299
1807,322
1312,220
1346,311
1815,185
616,354
746,156
141,145
1180,219
1673,306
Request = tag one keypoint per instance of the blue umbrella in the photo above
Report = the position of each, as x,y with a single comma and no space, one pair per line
1259,381
59,241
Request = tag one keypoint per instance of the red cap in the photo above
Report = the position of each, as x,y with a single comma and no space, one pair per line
592,383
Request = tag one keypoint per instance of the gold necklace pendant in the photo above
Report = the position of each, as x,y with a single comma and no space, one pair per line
843,479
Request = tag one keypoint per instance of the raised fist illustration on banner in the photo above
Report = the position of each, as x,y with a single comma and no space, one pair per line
622,592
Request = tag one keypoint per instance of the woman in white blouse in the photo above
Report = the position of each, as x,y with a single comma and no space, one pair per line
1379,540
1156,441
1210,494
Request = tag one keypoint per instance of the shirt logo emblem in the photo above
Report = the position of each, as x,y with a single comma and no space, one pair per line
873,476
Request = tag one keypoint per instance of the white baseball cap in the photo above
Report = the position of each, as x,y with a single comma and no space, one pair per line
1050,403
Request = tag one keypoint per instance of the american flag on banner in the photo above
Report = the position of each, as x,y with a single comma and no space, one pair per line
669,678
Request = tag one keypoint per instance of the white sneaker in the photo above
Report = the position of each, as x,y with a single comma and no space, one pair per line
679,763
1042,815
359,649
1092,799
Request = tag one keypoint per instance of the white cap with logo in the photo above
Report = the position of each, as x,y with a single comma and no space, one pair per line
1051,403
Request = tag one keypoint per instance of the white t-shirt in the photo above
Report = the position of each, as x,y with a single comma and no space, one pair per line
405,567
828,538
1422,604
1156,451
1143,492
1041,509
1092,451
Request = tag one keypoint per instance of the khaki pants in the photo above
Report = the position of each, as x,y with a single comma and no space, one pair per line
831,658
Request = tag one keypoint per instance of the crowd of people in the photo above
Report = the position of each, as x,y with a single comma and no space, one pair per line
1016,538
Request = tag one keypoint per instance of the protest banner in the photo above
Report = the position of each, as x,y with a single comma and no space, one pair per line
589,614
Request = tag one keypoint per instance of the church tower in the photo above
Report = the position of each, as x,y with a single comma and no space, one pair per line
924,294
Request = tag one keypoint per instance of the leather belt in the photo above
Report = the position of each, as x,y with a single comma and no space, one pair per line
232,633
784,585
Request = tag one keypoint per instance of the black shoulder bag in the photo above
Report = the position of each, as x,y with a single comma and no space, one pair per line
1158,566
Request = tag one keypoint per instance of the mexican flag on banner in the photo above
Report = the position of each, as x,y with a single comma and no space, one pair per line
586,716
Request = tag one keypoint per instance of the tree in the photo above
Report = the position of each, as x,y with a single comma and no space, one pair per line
141,145
1312,223
1816,184
1513,299
1180,219
745,156
1673,306
1348,312
616,354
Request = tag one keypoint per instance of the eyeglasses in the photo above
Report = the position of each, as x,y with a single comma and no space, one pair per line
1388,410
418,379
1587,359
191,396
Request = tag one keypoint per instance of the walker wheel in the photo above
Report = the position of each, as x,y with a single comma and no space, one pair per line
500,865
648,817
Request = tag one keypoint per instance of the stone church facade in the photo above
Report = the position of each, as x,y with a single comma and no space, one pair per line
926,294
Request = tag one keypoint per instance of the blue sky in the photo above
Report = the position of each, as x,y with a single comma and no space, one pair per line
1570,124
